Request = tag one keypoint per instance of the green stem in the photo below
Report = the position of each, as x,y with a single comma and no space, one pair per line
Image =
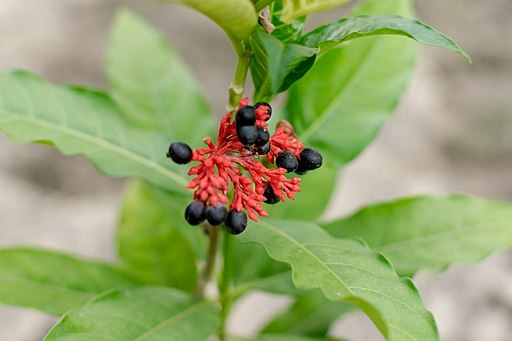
237,87
213,234
236,90
226,282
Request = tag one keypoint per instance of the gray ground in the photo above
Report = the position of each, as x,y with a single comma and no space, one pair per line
451,134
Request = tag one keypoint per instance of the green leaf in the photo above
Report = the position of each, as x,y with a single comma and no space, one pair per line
150,314
342,102
431,233
150,83
254,270
54,282
310,315
152,246
173,205
296,8
81,121
346,29
276,65
309,204
237,18
285,32
346,270
278,337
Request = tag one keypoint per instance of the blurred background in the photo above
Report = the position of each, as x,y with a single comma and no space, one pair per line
452,133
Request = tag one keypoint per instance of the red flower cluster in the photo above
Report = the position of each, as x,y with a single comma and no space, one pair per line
244,165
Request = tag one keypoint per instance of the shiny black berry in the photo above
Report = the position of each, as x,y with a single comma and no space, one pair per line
236,222
266,106
247,134
264,149
245,116
287,161
216,214
263,137
180,153
195,213
310,159
270,195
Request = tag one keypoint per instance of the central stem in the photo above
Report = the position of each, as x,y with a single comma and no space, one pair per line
226,282
236,91
237,87
213,234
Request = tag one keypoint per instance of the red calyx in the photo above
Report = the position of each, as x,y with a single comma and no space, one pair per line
229,161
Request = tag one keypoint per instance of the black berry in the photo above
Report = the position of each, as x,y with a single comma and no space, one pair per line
287,161
195,213
247,134
264,149
270,195
216,214
245,116
263,137
266,106
236,222
310,159
180,153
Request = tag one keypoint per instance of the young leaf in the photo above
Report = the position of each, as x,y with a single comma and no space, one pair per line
346,29
431,233
311,314
152,246
296,8
54,282
276,65
237,18
286,32
149,313
151,84
346,270
81,121
342,102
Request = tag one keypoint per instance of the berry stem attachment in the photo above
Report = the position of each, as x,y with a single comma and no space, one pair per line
226,281
237,87
206,273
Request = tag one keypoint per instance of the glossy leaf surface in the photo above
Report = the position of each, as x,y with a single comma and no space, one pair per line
151,84
346,29
339,106
276,65
54,282
285,32
346,270
151,245
149,314
86,122
431,233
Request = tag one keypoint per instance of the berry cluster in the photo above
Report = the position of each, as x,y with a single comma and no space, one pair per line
244,144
